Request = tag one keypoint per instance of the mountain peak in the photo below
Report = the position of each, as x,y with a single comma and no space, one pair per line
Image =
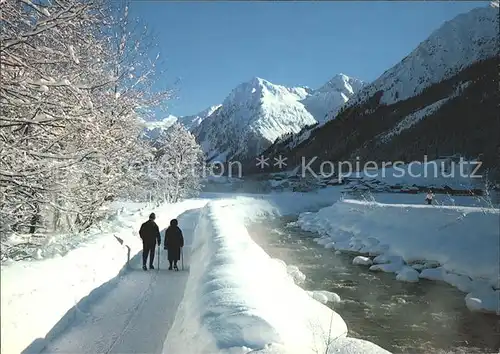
341,76
459,42
257,112
342,82
257,89
252,117
325,102
258,81
243,91
259,84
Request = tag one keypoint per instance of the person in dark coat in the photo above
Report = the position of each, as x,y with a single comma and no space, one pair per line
150,235
174,241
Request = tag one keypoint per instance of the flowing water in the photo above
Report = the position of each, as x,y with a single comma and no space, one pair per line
423,317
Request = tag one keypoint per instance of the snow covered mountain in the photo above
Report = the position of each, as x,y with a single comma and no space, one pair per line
439,100
324,104
327,100
466,39
191,122
256,113
253,115
154,128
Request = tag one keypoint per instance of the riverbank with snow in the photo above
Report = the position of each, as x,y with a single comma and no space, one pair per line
457,245
237,299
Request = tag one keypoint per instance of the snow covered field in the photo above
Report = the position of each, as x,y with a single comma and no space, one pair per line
455,244
234,298
88,301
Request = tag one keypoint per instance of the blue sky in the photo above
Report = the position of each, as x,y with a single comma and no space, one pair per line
214,46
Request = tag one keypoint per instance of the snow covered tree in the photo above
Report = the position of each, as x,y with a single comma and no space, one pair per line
69,113
176,170
46,110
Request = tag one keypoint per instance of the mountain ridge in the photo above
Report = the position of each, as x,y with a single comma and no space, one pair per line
257,112
379,124
453,46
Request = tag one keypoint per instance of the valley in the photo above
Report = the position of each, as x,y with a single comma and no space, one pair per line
358,214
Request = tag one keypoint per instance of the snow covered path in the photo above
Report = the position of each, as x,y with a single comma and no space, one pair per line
234,299
136,314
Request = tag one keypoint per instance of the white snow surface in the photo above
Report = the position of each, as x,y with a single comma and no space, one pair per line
154,128
239,299
467,38
39,297
324,104
483,301
463,240
407,274
324,296
432,273
87,301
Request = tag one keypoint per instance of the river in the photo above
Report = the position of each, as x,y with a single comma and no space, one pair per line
423,317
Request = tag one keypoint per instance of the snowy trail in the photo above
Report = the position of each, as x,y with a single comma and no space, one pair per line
136,315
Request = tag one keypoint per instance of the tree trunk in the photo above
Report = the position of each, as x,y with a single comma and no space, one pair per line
35,218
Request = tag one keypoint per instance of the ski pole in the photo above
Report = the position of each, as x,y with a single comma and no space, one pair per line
182,258
158,258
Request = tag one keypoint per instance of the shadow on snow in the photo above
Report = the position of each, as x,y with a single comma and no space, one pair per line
85,304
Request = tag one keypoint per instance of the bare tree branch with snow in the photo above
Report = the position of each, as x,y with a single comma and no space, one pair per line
75,83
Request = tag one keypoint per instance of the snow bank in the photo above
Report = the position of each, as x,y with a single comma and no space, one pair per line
37,294
240,300
407,274
445,172
237,299
324,296
251,207
56,245
462,240
432,273
483,300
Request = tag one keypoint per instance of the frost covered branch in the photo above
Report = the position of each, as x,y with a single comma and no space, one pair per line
75,81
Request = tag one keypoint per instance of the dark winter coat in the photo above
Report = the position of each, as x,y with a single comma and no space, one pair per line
150,233
173,242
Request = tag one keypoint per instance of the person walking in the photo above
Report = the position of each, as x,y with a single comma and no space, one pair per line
174,241
150,235
429,197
